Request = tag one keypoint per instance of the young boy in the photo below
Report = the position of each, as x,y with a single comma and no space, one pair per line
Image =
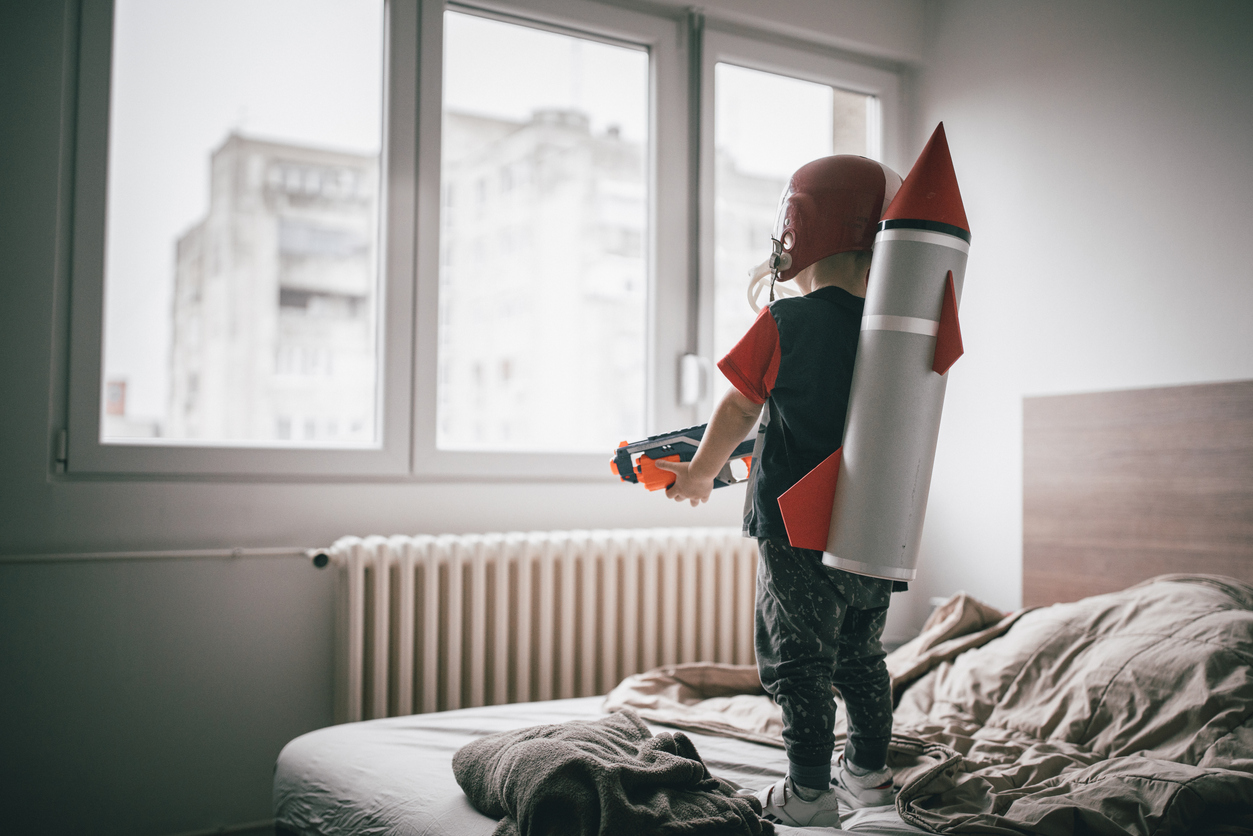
816,626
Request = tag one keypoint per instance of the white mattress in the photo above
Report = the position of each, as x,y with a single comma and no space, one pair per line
394,776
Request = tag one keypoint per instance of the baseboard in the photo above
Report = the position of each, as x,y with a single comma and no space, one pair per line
265,827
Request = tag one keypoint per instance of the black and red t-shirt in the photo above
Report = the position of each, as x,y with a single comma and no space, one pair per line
798,359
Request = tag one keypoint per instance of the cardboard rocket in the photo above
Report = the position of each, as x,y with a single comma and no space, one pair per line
864,506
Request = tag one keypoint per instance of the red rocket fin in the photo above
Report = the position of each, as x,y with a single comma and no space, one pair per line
930,191
948,341
806,506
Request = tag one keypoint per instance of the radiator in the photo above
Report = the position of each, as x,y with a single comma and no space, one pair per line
431,623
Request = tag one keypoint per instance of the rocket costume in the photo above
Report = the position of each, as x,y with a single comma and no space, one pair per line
864,506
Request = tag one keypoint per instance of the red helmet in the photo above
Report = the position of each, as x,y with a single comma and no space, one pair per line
832,205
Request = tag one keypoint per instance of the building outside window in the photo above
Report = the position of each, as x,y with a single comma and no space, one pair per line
274,299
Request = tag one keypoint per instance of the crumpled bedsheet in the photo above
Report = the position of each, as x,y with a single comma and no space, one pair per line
728,700
1127,713
394,777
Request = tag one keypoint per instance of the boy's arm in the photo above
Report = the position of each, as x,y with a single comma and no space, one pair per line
733,418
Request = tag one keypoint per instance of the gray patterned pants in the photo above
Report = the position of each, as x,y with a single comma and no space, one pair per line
817,627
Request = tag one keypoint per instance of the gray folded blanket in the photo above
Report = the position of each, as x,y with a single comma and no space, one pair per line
608,777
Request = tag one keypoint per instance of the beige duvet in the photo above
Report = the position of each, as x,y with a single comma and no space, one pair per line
1128,713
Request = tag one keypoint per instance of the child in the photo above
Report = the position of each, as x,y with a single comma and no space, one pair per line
815,626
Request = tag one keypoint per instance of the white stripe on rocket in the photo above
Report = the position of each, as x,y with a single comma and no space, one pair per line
906,324
874,570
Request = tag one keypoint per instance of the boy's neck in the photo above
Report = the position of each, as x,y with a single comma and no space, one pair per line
847,271
857,287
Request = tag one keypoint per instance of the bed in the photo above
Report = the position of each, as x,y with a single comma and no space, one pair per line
1119,700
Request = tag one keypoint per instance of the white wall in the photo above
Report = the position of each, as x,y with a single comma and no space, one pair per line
1105,154
151,697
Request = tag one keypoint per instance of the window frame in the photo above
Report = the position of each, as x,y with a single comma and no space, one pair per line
86,453
683,49
732,45
667,212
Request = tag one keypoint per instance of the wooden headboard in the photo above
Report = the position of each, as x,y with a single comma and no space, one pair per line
1121,486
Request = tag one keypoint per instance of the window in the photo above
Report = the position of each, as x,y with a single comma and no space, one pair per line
241,243
753,160
552,329
769,110
329,239
228,293
542,330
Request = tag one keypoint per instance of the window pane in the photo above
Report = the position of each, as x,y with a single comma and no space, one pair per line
765,127
543,244
241,269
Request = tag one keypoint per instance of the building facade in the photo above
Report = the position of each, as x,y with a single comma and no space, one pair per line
543,284
542,301
275,300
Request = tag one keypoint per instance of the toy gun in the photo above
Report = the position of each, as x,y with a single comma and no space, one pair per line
636,461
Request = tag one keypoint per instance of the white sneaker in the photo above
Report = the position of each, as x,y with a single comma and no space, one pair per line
857,791
781,803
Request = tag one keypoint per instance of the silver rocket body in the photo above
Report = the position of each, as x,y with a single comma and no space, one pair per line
894,406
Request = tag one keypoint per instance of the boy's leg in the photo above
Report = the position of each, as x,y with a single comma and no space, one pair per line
799,612
861,675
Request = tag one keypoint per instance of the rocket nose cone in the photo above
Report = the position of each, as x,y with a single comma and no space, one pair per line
930,191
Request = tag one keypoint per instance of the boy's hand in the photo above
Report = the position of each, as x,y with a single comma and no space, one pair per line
686,484
732,419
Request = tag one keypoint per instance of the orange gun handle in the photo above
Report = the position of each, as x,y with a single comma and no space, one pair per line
652,476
